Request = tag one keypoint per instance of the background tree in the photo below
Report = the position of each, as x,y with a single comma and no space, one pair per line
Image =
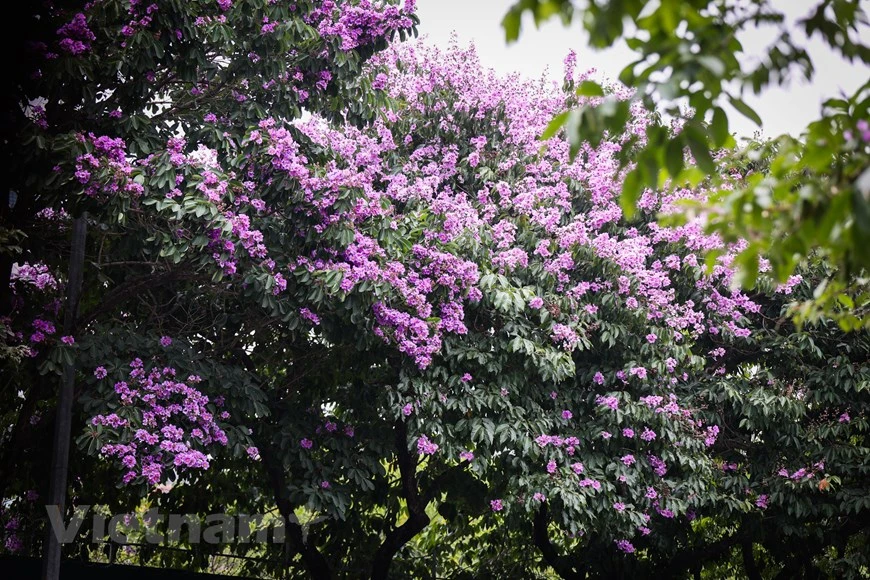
816,197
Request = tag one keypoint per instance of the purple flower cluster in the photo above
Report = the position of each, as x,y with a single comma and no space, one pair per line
162,423
105,171
659,466
37,275
140,17
361,24
76,37
426,447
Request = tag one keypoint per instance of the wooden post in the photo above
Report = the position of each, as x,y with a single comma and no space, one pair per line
63,419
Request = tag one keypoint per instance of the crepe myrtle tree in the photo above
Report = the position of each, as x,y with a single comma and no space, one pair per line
473,314
792,452
368,276
814,197
114,107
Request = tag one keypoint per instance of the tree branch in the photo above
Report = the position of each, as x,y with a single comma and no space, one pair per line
312,559
565,567
417,518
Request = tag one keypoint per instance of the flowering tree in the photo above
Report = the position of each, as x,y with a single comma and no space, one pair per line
814,197
792,452
117,108
432,316
532,355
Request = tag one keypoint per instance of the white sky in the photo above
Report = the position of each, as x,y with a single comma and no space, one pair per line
782,110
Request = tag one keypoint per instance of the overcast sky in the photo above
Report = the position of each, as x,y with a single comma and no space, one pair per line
782,110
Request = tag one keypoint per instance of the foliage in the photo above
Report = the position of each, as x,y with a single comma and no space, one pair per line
419,334
689,68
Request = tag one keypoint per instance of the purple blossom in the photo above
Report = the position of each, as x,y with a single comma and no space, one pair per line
659,466
711,435
13,543
425,446
666,513
76,37
590,483
609,401
380,82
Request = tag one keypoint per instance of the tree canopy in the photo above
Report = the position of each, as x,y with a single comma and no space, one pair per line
341,280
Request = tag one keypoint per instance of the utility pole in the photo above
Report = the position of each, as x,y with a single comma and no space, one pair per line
63,419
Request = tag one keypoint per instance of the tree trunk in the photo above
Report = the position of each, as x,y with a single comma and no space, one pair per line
565,567
314,562
63,418
417,518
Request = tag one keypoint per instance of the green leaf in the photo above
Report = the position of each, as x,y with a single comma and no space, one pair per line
590,89
554,125
719,127
697,141
632,187
674,156
745,110
511,23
